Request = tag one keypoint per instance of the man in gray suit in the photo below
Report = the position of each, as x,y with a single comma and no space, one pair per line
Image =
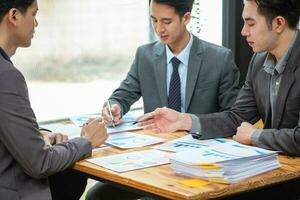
271,91
33,163
208,78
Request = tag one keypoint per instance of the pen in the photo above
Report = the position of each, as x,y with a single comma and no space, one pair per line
110,114
143,118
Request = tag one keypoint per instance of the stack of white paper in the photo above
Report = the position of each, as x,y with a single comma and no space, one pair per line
224,163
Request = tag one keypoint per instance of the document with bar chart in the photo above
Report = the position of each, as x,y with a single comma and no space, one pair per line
188,142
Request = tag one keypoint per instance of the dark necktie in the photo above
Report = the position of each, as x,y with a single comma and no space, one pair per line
174,98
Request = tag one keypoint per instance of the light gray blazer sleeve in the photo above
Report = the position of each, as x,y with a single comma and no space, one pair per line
20,134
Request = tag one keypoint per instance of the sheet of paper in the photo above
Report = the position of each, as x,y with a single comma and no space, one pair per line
101,147
127,122
188,142
132,161
127,140
129,117
123,127
81,119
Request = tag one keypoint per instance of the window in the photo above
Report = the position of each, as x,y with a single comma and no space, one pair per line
80,53
207,15
83,49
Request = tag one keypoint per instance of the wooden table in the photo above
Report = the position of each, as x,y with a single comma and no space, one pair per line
161,181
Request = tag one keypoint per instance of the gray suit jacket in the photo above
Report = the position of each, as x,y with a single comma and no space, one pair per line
212,79
253,103
26,161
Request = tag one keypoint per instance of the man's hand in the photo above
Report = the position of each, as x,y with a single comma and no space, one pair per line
167,120
53,138
244,133
95,132
116,113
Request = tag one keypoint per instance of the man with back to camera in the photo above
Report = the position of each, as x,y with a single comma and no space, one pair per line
271,91
181,72
33,163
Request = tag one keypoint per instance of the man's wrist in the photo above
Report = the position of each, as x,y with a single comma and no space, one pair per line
186,121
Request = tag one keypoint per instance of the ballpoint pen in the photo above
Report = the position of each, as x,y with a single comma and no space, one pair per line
110,114
143,118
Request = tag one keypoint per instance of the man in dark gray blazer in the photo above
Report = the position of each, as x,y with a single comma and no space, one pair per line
33,163
208,76
271,91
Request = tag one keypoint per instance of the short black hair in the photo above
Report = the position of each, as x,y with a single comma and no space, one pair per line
6,5
289,9
181,6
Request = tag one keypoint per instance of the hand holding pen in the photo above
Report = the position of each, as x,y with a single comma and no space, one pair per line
111,114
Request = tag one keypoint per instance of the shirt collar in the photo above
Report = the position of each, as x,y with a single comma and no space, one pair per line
270,65
183,56
4,55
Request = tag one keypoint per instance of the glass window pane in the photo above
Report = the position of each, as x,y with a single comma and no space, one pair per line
80,53
207,15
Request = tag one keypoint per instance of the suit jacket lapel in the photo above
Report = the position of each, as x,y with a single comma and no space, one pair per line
287,81
266,96
194,66
160,70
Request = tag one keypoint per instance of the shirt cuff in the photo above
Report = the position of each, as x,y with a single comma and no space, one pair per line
196,126
255,137
44,129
